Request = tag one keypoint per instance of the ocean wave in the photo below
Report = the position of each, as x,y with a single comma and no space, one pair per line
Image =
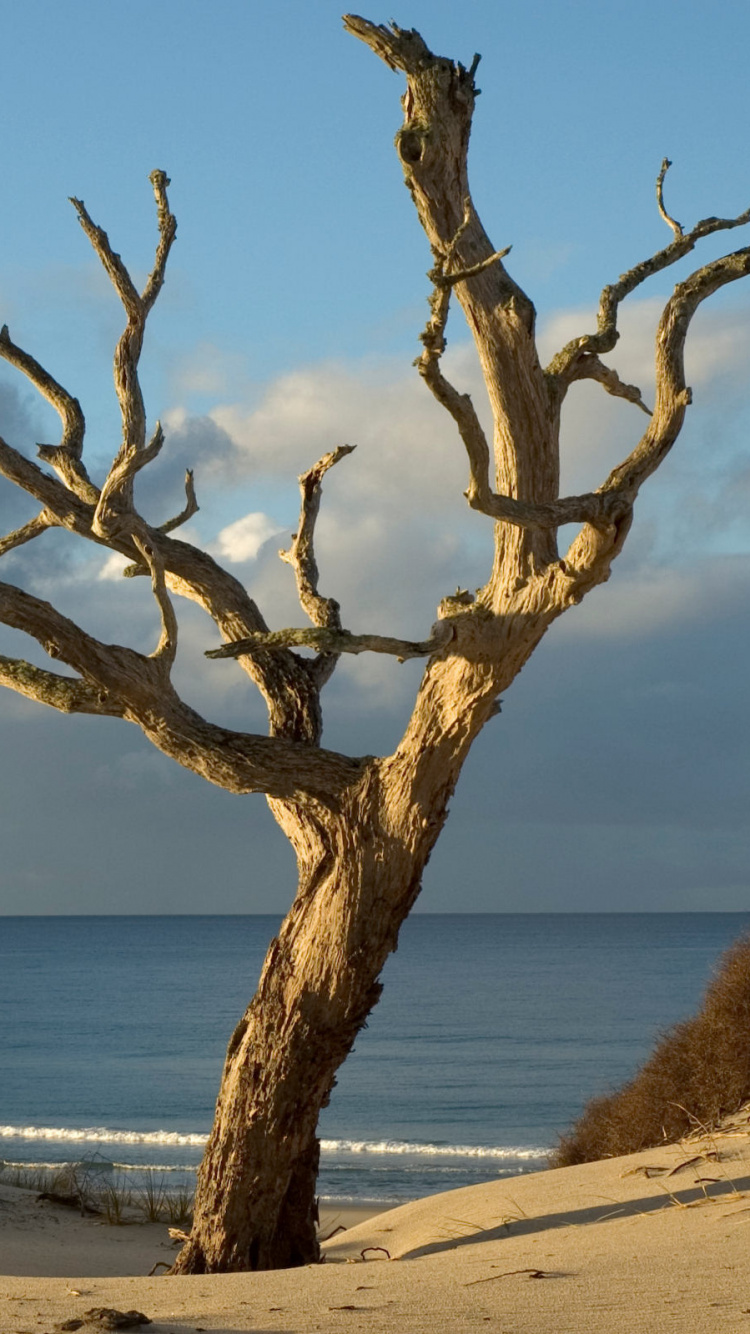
380,1147
93,1164
402,1148
100,1135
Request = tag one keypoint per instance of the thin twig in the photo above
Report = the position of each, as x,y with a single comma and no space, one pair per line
671,222
366,1249
508,1273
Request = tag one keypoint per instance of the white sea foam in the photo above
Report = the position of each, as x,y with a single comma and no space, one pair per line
381,1147
100,1135
401,1147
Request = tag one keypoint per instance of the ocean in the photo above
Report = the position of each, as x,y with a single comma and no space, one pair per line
492,1033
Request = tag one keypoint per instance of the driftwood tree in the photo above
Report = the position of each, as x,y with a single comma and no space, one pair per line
362,828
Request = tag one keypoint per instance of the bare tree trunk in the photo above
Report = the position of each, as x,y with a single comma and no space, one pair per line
256,1204
360,873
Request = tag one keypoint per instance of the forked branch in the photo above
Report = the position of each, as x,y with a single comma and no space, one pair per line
591,508
591,554
117,492
121,682
562,370
65,457
323,612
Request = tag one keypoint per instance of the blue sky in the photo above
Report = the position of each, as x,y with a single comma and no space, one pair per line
617,776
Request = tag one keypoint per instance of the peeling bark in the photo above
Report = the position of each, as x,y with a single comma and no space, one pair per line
362,828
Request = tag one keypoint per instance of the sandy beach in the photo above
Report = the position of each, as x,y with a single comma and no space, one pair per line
652,1242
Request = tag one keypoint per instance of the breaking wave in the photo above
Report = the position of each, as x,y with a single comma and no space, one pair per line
379,1147
100,1135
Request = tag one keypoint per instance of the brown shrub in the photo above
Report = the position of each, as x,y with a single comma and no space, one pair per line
698,1072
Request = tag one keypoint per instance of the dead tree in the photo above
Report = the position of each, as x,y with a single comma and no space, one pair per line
362,828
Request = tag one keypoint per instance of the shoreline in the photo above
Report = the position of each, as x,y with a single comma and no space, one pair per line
649,1243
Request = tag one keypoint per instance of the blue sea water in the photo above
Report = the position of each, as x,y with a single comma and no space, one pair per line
492,1033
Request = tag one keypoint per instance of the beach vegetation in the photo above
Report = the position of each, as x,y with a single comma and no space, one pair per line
698,1073
362,827
96,1194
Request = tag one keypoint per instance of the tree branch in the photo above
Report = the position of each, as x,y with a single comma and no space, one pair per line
432,145
323,612
115,515
166,649
39,524
167,232
339,641
524,514
70,511
671,222
589,367
235,761
591,554
301,555
561,370
672,393
65,458
59,692
191,507
286,682
137,307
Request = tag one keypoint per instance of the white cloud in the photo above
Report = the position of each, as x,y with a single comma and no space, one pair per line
113,567
394,533
243,539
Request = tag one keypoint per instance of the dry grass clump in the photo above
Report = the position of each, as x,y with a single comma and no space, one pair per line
699,1071
83,1186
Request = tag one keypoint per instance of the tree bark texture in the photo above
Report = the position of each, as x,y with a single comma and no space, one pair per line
360,873
362,828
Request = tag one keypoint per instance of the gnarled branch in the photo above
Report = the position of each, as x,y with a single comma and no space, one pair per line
70,511
68,695
591,554
337,641
128,351
301,555
134,687
589,367
589,508
324,612
65,458
166,649
432,145
561,370
191,506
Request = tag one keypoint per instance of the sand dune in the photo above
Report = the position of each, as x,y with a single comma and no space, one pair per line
653,1242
